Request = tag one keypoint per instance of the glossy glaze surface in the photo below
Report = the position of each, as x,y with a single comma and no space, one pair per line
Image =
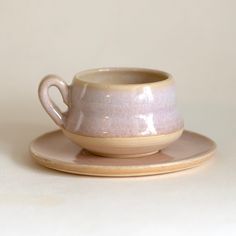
141,111
120,102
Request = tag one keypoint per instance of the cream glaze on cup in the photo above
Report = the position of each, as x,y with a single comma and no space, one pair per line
117,112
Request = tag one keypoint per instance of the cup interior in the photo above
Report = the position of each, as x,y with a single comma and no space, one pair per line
118,76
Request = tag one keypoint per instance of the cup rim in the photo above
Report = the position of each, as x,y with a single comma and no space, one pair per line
166,81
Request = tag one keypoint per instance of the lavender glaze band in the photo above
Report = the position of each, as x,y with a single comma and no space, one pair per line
118,102
116,112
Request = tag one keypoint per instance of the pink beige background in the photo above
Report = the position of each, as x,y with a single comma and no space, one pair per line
193,40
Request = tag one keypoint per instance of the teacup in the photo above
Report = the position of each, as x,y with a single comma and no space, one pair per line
116,112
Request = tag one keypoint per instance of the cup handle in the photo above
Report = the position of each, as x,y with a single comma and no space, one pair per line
50,107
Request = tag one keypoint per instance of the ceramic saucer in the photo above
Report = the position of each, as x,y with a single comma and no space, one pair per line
55,151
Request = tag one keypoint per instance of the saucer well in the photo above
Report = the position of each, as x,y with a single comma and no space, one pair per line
55,151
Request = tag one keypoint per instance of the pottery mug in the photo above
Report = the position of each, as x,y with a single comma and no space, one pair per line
116,112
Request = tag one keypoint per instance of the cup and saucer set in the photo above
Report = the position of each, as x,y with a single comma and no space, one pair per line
119,122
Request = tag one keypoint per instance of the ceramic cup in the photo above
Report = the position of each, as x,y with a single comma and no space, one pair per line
116,112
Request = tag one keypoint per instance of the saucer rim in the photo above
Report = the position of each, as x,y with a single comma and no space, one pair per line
126,170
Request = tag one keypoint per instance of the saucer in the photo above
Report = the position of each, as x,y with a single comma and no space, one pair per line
55,151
